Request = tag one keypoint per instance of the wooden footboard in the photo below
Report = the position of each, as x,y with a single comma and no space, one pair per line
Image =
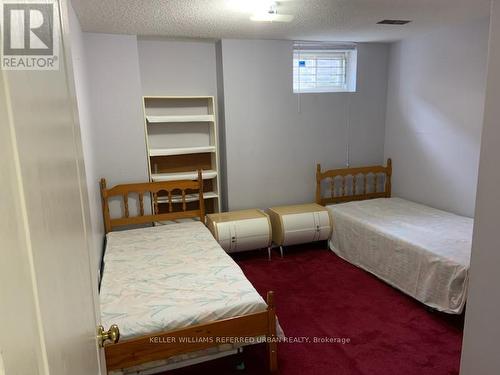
164,345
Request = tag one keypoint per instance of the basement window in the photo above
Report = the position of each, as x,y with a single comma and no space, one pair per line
321,67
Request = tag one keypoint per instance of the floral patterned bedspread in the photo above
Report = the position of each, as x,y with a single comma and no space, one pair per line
169,277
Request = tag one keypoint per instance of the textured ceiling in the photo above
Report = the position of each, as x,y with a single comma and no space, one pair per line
335,20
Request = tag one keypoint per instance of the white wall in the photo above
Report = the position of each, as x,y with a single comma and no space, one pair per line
222,125
88,135
170,67
480,355
116,101
272,148
434,115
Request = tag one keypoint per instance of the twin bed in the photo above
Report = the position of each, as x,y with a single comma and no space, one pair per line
421,251
174,293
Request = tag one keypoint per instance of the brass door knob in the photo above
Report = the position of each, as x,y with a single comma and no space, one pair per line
112,335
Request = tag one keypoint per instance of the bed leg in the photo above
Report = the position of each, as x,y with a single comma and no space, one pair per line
269,253
281,251
272,345
240,360
273,357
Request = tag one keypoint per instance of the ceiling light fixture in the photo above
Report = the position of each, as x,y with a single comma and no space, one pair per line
260,10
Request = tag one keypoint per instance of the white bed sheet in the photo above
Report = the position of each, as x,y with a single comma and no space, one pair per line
169,277
422,251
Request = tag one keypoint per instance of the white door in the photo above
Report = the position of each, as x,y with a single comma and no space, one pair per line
48,293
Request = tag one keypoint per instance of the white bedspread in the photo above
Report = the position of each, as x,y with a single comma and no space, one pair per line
420,250
169,277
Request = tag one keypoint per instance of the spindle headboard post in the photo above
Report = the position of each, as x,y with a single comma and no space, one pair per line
202,201
105,206
358,191
318,183
152,189
388,173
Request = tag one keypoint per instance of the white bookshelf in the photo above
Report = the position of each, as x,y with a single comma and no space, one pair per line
181,137
181,150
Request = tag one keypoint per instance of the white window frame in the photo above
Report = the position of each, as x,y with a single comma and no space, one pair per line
315,51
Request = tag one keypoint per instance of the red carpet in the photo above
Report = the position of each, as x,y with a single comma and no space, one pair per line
320,295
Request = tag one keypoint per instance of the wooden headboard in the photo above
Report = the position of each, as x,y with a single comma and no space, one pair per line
354,184
151,189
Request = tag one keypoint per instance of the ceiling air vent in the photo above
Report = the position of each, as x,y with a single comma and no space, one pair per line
393,22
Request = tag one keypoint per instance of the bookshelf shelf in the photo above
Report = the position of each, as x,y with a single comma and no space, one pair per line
179,118
207,175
